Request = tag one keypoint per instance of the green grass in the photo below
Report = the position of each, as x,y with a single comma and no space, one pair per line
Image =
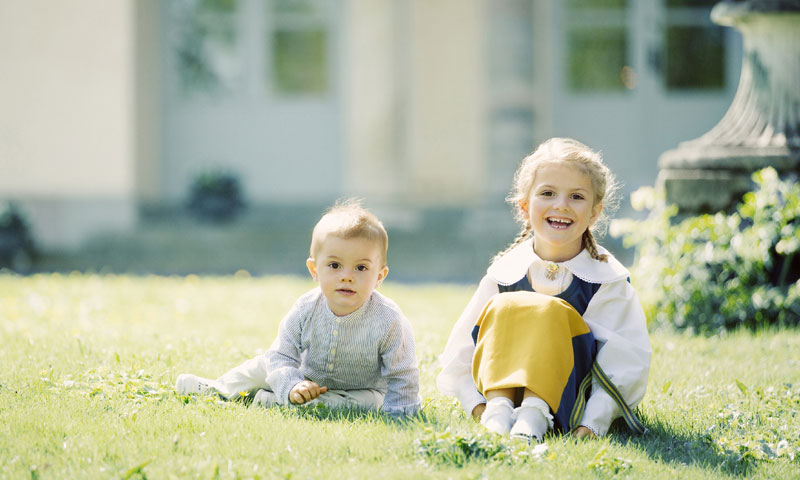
87,364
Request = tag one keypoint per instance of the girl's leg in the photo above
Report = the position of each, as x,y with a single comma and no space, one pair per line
509,393
530,339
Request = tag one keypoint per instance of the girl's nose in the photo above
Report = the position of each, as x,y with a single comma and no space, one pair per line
561,202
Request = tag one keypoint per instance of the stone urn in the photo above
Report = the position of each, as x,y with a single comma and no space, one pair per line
762,126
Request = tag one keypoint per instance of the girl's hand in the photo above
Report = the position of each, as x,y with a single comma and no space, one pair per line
305,391
582,432
478,411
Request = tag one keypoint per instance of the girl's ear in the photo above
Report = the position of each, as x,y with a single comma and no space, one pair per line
523,205
596,211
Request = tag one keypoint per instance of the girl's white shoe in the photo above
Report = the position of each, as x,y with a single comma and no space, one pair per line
532,419
497,416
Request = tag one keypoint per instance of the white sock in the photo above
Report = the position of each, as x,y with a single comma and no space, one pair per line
532,419
497,416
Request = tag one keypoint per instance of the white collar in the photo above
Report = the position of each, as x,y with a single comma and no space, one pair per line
512,266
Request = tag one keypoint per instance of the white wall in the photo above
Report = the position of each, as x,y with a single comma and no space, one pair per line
67,117
374,84
414,96
446,128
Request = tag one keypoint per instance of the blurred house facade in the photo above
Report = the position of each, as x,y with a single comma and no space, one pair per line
109,108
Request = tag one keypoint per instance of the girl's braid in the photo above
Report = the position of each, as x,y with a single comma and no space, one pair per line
590,245
521,237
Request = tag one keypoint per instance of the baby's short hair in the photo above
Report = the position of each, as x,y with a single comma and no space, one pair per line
349,219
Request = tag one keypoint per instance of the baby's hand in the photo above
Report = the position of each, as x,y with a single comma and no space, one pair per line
305,391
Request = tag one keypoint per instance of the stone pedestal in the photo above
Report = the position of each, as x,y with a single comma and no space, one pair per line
762,125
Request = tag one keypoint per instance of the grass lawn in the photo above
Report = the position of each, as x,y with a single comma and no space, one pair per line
88,363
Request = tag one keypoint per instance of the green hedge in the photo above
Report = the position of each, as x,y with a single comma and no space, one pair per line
713,273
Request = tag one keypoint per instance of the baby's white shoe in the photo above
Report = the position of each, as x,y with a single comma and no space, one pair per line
265,398
532,419
497,416
188,384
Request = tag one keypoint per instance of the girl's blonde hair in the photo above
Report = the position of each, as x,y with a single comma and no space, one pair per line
572,152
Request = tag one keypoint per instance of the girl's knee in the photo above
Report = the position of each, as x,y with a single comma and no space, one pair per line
513,306
515,301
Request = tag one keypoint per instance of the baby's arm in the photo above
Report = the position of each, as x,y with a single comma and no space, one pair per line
399,368
618,323
455,378
283,357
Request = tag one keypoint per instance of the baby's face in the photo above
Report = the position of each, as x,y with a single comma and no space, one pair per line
348,271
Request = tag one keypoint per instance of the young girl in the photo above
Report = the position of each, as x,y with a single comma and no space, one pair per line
554,336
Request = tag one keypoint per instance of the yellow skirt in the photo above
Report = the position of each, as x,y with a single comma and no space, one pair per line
526,339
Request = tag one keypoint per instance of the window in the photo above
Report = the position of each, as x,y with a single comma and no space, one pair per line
687,51
597,45
694,47
205,42
221,47
298,40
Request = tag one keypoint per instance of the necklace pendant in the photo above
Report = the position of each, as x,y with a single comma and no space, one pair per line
550,272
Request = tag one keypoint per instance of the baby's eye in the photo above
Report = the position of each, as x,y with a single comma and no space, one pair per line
577,196
546,193
362,268
334,265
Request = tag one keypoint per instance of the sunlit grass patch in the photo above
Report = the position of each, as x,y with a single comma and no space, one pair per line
449,448
88,365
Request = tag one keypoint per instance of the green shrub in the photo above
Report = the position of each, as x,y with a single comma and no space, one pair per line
17,248
216,196
713,273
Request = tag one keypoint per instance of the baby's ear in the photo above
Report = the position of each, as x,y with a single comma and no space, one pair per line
382,275
312,268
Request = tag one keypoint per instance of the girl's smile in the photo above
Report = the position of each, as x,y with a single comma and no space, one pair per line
559,223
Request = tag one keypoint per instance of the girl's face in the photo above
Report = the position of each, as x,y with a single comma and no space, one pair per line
560,207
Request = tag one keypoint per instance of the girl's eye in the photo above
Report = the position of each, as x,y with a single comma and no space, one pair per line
334,265
546,193
577,196
361,268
